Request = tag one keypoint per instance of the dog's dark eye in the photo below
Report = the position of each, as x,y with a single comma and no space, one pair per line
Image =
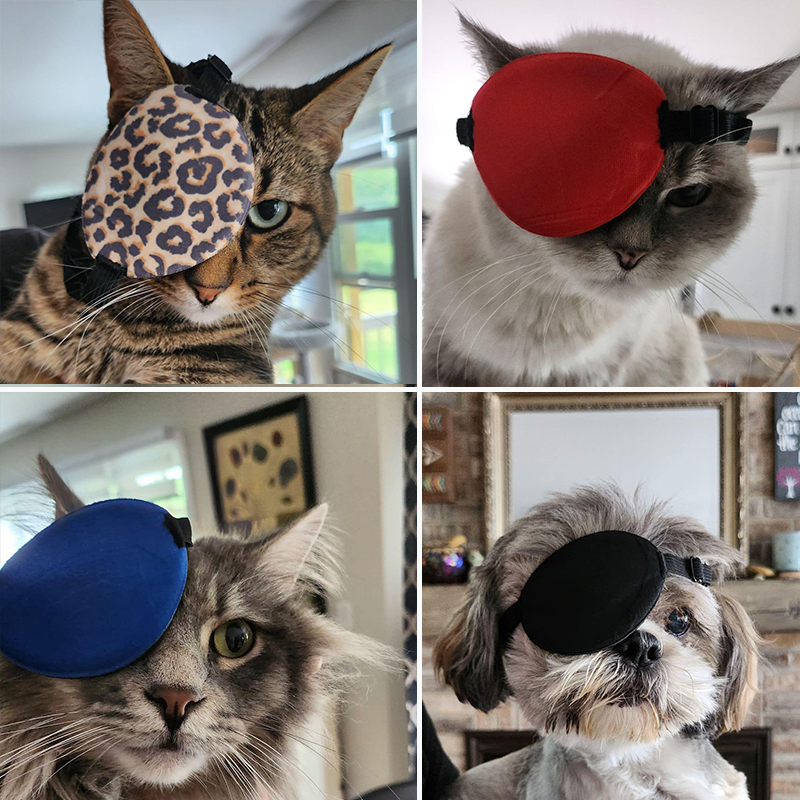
688,195
233,639
677,622
269,214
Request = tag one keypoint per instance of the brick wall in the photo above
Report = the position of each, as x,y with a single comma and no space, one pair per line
778,705
442,521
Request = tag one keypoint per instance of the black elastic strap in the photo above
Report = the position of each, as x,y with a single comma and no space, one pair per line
699,125
180,528
464,131
209,77
692,568
702,125
509,620
85,278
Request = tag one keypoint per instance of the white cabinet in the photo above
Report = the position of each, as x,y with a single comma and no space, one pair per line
775,139
763,265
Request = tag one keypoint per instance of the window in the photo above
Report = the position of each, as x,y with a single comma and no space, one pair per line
152,472
364,259
368,274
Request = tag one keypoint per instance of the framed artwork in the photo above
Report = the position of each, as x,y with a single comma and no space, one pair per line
679,446
787,445
261,467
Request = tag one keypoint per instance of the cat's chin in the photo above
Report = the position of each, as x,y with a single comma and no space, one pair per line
191,310
158,766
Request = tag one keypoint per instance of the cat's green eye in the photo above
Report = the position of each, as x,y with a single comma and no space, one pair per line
688,196
233,639
269,214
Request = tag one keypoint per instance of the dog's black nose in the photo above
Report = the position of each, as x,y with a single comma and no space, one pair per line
640,648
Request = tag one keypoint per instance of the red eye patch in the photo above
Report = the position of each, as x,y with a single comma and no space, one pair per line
565,142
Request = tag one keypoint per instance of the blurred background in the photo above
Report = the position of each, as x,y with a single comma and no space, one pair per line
750,330
353,320
361,457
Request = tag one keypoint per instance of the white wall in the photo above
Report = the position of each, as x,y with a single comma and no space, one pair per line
39,172
357,442
726,32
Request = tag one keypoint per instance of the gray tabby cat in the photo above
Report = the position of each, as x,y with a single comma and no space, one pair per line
109,737
504,307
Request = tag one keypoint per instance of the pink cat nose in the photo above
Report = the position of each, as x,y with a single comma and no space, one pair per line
174,704
628,259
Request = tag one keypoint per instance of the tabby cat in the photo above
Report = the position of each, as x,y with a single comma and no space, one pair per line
208,324
108,737
504,307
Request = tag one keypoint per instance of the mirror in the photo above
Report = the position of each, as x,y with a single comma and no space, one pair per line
679,447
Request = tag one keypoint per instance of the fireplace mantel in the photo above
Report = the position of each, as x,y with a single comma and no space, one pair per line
773,605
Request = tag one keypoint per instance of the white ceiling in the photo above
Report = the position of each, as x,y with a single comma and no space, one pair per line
740,33
21,411
54,87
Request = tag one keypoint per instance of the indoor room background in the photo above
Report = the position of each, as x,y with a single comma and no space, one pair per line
353,319
490,456
150,445
749,310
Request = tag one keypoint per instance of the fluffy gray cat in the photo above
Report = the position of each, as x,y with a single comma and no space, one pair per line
504,307
107,738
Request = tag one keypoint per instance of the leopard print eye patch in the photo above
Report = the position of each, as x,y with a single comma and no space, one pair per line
170,187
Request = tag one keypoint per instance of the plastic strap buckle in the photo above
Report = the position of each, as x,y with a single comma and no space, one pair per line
700,572
464,131
702,125
211,76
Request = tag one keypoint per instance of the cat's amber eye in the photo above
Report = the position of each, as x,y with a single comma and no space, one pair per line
269,214
688,196
233,639
678,622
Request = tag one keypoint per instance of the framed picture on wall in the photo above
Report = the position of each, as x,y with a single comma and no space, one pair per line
261,467
680,446
787,446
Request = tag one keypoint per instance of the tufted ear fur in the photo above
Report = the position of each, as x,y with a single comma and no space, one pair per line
331,103
738,665
468,656
301,556
136,67
65,500
748,91
492,51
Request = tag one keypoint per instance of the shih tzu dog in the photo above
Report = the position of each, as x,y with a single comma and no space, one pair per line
595,612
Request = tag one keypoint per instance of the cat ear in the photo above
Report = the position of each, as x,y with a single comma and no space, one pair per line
329,105
135,64
288,555
750,90
490,50
64,498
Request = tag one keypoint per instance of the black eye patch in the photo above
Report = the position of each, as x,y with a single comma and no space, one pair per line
593,592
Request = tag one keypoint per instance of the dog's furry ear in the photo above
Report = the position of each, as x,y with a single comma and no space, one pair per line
738,665
468,656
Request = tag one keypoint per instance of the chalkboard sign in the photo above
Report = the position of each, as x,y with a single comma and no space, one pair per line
787,446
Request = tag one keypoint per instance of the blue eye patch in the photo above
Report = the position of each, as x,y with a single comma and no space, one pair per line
94,590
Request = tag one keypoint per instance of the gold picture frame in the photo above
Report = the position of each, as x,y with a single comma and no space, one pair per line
499,405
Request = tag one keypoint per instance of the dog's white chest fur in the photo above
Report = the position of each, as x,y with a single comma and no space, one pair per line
675,769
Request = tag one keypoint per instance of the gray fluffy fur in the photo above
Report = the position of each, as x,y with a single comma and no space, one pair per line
504,307
592,746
